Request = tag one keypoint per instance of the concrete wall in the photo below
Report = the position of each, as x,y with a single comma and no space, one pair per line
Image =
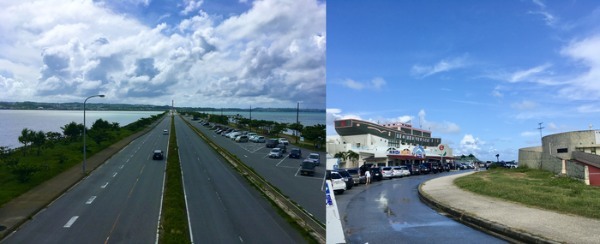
575,170
551,163
531,157
568,142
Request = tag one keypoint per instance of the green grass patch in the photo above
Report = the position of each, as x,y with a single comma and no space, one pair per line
536,188
174,223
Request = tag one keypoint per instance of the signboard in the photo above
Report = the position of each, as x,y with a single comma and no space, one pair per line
418,151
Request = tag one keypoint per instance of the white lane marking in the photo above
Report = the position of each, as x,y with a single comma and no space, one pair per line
91,200
104,186
121,167
245,156
115,174
71,221
280,161
241,240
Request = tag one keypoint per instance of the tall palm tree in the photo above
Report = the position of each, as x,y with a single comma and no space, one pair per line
353,156
342,156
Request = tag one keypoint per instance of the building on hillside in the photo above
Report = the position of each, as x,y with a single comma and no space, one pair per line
575,154
389,144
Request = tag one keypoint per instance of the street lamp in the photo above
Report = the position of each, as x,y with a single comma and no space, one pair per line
84,147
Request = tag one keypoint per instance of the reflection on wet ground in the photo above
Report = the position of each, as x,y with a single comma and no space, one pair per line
390,211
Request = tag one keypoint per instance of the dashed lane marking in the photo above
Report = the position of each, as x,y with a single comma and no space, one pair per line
71,221
104,186
115,174
91,200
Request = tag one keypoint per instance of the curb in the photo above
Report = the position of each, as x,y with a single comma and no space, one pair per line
490,227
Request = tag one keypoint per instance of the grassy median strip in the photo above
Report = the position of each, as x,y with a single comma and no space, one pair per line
174,223
536,188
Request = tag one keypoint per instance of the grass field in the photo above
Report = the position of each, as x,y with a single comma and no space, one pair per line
536,188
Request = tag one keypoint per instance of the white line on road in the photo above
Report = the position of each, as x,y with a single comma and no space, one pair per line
281,162
71,221
121,167
245,156
91,200
115,174
104,186
241,240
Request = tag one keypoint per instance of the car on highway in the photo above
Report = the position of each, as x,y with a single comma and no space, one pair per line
165,132
400,171
271,143
337,181
295,153
347,178
158,155
315,158
307,167
275,153
386,172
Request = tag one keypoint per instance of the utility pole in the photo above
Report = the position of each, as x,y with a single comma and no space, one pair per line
540,128
297,123
250,123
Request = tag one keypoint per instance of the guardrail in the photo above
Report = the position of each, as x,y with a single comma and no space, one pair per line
304,219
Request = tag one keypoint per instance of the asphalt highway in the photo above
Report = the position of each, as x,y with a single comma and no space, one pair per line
119,202
283,172
222,206
390,211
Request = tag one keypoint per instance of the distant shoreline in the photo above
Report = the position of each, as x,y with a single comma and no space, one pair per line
134,107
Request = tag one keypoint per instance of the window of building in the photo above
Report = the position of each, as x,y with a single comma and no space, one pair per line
593,151
562,150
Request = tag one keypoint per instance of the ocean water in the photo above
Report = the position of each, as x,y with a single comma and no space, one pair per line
12,122
304,118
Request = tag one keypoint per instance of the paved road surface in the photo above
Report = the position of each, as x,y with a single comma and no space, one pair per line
390,211
223,208
117,203
283,173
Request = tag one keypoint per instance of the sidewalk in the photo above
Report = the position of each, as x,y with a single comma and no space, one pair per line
512,221
22,208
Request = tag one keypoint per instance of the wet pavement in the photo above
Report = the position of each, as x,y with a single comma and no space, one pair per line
390,211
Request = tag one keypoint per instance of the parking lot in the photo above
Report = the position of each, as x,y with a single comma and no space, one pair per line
281,172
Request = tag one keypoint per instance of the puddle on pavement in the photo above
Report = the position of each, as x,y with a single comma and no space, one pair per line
397,226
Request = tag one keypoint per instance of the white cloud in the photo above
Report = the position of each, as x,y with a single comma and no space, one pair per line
529,133
444,65
586,85
549,18
524,105
528,74
445,127
191,5
375,84
589,108
271,55
333,114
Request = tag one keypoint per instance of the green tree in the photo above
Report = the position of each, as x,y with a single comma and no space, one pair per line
52,138
297,127
278,128
341,155
315,133
353,156
100,131
38,140
73,131
26,138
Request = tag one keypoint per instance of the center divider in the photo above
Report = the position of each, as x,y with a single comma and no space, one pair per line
174,223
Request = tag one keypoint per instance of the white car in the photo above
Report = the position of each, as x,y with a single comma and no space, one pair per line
315,158
275,153
259,139
337,182
233,135
400,171
284,141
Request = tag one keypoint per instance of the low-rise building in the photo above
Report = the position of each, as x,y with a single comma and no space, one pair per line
389,144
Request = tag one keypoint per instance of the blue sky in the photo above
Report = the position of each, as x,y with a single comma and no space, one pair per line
200,53
479,74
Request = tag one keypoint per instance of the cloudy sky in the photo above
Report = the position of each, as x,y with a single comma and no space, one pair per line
479,74
211,53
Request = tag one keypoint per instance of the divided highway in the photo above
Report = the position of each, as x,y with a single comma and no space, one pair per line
222,206
283,173
119,202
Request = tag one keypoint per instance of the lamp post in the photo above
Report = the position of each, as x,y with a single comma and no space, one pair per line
84,147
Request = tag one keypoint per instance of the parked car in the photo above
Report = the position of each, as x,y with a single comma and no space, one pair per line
337,181
356,177
400,171
386,172
315,158
259,139
414,169
158,155
307,167
284,141
242,138
296,153
283,147
376,174
347,178
275,153
424,169
511,165
271,143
